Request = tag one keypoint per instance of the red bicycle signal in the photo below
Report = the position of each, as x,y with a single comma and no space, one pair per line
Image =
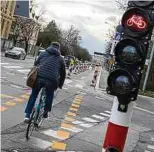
136,21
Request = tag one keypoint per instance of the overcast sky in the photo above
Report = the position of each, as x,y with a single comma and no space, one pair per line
89,16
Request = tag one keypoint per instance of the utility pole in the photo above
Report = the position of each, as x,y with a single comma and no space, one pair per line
148,70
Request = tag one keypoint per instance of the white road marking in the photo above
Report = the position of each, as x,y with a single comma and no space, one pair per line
79,86
26,71
4,63
77,122
81,92
67,81
150,147
10,73
98,97
86,125
104,114
82,123
53,133
83,77
43,144
65,88
144,110
99,117
13,67
15,86
147,151
73,129
109,112
2,77
90,120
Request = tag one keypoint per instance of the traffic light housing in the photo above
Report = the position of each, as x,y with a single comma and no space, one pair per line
130,53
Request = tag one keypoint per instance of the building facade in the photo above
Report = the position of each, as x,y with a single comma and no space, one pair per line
7,13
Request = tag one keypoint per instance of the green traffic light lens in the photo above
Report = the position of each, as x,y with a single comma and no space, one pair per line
121,84
129,55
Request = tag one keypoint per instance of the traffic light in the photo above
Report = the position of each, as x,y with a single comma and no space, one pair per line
130,53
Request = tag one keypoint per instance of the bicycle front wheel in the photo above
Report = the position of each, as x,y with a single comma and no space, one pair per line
31,125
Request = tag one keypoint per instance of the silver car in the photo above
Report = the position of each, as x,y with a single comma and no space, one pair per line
16,52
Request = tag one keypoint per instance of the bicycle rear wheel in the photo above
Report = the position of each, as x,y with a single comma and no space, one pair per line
31,125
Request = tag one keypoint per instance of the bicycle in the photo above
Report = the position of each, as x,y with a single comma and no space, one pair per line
36,117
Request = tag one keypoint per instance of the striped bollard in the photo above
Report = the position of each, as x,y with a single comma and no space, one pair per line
117,129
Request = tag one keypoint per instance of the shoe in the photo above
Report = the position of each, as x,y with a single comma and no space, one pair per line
45,114
27,118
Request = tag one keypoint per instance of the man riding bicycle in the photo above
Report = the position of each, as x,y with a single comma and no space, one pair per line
51,75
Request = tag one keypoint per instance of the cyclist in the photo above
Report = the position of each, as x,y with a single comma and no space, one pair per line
51,75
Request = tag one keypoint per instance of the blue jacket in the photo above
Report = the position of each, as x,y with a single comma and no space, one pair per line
51,67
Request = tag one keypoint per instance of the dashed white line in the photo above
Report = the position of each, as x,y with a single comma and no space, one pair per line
90,120
13,67
108,111
4,63
73,129
26,71
99,117
104,114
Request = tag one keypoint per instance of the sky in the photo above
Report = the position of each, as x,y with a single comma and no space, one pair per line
88,16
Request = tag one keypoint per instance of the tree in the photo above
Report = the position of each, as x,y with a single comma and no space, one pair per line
51,33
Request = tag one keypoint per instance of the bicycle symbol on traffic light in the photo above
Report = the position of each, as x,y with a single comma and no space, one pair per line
136,21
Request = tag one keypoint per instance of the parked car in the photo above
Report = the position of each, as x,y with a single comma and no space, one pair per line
16,52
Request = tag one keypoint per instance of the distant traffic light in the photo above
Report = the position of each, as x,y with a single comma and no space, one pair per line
131,51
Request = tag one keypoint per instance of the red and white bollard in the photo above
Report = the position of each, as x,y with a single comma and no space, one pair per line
117,128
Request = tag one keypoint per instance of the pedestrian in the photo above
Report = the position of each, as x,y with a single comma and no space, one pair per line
51,75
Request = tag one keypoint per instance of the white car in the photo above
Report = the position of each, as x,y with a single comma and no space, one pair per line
16,52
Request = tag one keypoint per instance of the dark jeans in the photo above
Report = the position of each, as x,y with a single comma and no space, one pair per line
35,91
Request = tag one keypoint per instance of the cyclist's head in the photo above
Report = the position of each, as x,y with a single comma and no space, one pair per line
56,45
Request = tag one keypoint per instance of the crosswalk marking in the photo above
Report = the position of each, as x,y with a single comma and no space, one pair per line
6,96
77,122
86,125
52,133
26,71
71,114
99,117
10,103
18,99
4,63
82,123
67,81
150,147
58,145
109,112
78,86
104,114
3,108
73,109
76,106
13,67
37,142
69,119
66,125
73,129
90,120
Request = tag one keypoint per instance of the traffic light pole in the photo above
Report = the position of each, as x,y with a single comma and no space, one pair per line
148,70
117,129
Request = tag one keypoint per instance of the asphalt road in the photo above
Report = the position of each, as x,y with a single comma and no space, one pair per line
78,119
